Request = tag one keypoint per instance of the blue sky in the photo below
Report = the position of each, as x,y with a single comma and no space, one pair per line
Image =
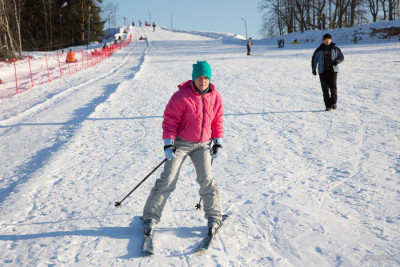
204,15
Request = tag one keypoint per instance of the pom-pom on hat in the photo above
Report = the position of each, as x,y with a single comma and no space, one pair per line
201,68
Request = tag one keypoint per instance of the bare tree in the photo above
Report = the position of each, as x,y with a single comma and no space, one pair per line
374,9
392,9
383,4
10,35
289,15
17,16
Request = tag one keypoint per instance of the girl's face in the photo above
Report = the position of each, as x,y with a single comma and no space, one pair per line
202,83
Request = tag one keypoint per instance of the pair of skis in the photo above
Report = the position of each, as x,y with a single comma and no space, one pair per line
148,249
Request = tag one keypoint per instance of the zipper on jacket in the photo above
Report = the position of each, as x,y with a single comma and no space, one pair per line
202,118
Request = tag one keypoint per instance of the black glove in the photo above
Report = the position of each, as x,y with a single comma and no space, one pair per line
335,62
216,148
314,72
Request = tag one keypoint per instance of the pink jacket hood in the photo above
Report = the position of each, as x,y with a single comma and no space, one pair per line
192,116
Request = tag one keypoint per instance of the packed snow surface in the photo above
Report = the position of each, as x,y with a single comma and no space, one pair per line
302,187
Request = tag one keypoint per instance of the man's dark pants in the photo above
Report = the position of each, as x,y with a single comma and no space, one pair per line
328,82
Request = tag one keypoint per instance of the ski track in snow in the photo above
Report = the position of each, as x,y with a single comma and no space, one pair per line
303,187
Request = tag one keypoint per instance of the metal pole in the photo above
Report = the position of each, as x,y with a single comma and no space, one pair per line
51,28
62,42
150,16
118,203
171,20
109,25
63,5
245,25
124,18
87,46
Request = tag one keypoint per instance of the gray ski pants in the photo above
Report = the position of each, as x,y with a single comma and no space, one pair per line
199,153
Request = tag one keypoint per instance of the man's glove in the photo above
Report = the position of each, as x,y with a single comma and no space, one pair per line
314,72
335,62
216,148
169,149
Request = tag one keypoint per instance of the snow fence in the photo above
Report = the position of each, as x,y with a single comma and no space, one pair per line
22,75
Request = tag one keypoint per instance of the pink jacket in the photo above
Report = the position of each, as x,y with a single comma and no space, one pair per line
193,117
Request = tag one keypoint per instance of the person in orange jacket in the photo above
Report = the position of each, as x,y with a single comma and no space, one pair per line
70,57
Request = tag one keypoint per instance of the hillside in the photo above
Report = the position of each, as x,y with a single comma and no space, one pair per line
303,187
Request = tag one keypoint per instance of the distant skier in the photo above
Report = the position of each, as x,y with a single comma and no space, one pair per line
133,23
1,81
249,43
140,23
327,56
154,26
192,127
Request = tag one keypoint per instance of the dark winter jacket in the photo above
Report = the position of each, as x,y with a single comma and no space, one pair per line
318,58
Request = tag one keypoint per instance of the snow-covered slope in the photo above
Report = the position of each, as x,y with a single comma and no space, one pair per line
303,187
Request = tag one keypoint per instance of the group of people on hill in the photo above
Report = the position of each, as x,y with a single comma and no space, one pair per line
197,133
146,24
70,58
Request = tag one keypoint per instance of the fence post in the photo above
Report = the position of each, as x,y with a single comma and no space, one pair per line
59,64
69,70
87,60
82,57
75,63
16,79
30,69
47,64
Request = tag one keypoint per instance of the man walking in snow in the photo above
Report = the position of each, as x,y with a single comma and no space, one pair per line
192,127
248,46
327,56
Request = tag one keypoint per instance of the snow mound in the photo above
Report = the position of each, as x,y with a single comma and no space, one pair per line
379,32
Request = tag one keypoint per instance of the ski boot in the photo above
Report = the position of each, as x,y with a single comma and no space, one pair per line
149,226
213,225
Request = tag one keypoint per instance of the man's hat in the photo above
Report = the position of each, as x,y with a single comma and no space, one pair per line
327,35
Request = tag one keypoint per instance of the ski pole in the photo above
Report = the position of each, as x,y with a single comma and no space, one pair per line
198,205
118,203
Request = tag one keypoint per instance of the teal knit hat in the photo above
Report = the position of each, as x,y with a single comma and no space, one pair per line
202,68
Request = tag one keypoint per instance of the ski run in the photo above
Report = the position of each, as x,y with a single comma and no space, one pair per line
301,186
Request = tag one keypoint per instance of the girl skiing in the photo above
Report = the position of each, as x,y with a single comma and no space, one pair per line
192,127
